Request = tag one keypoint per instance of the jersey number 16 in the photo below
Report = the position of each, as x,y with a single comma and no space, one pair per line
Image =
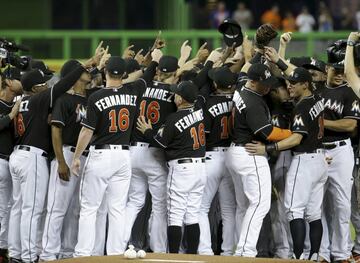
198,136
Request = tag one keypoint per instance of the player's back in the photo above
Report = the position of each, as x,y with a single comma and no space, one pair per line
111,113
32,123
188,134
156,105
218,120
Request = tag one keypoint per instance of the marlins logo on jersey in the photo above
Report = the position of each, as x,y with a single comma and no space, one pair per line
298,121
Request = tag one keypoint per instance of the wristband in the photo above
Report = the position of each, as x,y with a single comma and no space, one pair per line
281,64
271,148
351,43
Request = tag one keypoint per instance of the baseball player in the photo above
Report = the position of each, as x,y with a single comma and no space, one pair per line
280,108
10,88
251,176
350,64
110,115
67,113
149,170
28,162
341,115
306,177
217,117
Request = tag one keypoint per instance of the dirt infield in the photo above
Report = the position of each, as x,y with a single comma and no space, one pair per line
175,258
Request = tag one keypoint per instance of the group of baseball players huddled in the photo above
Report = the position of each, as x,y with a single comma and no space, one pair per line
270,137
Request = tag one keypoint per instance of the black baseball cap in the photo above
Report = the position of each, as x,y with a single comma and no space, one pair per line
338,65
315,64
12,73
231,31
68,67
168,64
39,64
186,89
32,78
131,65
299,74
223,77
116,65
261,73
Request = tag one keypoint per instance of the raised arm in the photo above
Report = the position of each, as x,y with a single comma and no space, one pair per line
350,70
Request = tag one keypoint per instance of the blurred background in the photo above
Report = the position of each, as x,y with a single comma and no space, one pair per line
57,30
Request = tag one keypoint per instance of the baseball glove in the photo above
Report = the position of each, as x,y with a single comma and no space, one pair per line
264,34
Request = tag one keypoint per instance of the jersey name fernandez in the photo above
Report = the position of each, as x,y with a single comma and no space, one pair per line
159,94
189,120
115,100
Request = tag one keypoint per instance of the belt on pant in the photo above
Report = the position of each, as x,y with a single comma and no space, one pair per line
190,160
308,152
111,146
333,145
4,157
73,149
216,149
28,148
237,144
140,144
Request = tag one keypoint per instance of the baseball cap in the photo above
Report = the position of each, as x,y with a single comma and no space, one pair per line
32,78
315,64
261,73
12,73
186,89
338,65
131,65
168,64
39,64
116,66
223,77
299,74
68,67
231,31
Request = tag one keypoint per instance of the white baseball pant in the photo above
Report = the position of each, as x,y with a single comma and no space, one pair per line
338,190
5,201
63,199
30,175
218,180
280,225
149,171
252,182
106,172
185,188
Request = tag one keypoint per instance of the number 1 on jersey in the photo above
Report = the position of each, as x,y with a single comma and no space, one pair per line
198,136
151,112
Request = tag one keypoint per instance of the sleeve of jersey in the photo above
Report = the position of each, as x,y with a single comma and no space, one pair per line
258,121
164,135
351,107
150,72
4,122
208,121
91,119
59,113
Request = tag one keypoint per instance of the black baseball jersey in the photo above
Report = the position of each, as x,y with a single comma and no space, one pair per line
251,117
7,129
308,120
111,113
68,111
340,103
183,134
32,122
157,104
218,120
280,118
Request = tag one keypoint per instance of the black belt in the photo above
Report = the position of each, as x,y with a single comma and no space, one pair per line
108,147
73,149
189,160
216,149
307,152
238,144
142,144
5,157
330,146
27,148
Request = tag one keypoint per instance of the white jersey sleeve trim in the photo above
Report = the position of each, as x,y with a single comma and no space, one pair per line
262,128
87,126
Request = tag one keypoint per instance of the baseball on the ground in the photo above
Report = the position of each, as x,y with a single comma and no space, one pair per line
141,254
130,254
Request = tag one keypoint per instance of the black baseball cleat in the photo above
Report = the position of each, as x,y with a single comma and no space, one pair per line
15,260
